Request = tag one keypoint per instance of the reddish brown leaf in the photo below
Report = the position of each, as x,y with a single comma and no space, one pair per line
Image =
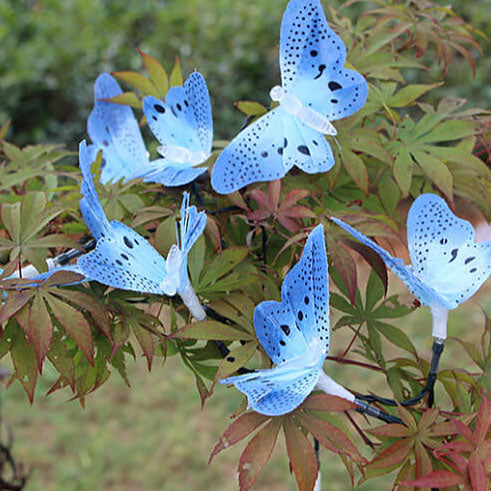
96,310
301,454
346,267
274,190
146,342
243,426
15,301
393,455
372,258
326,402
330,436
257,453
437,479
483,421
477,472
75,324
40,329
423,461
390,430
294,197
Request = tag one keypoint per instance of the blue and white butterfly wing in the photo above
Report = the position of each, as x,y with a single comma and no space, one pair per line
312,58
124,259
424,293
198,98
255,154
443,251
277,331
114,129
306,148
168,173
276,391
306,289
193,224
173,122
90,206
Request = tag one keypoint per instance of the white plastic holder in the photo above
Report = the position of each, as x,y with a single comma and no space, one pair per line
327,385
191,301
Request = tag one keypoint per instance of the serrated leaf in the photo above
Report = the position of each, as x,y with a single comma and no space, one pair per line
396,336
74,323
157,73
138,81
222,264
395,454
25,364
176,78
327,402
14,302
243,426
257,453
62,360
389,193
403,171
346,267
355,167
302,455
330,436
453,129
437,479
437,171
40,328
126,99
410,93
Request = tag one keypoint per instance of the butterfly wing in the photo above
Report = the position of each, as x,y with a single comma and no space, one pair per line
424,293
255,154
124,259
443,251
199,102
286,329
114,129
306,148
192,224
312,58
90,206
276,391
173,122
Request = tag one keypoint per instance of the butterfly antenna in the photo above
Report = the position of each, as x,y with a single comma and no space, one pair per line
337,142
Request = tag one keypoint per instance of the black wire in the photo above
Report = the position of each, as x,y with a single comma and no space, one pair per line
364,408
428,389
66,257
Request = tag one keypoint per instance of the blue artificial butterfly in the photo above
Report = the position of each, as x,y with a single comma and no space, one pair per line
447,268
316,89
295,334
114,129
124,259
184,127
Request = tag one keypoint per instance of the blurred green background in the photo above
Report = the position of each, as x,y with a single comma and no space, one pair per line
155,436
53,50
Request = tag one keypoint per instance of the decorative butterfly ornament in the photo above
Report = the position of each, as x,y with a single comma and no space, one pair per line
316,89
124,259
448,266
295,334
186,135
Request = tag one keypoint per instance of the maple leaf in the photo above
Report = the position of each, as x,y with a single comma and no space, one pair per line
287,214
467,456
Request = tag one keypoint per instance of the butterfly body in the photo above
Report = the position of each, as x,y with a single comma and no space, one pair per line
295,335
316,89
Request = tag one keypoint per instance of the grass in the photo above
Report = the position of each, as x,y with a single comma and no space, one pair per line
155,436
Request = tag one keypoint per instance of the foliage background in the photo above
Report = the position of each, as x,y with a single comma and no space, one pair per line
53,50
48,64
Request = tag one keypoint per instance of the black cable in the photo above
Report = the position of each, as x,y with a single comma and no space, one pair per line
66,257
437,350
364,408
